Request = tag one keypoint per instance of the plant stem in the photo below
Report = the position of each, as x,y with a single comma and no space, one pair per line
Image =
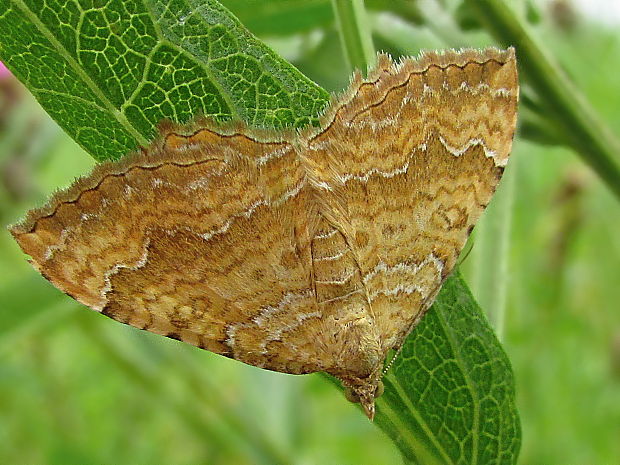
564,103
355,34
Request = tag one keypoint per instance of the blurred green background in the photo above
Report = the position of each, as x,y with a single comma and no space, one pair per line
78,388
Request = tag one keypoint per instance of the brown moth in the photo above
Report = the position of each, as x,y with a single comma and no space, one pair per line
297,252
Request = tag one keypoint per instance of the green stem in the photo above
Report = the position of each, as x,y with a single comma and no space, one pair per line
355,34
564,103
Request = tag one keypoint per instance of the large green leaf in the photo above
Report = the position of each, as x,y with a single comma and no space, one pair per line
109,71
450,396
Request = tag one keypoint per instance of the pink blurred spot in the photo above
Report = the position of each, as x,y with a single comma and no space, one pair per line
4,72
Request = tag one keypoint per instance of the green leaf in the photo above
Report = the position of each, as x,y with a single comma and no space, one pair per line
109,71
449,397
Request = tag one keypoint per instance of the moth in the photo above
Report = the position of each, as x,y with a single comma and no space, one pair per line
294,251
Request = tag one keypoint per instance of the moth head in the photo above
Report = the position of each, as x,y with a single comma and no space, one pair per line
364,393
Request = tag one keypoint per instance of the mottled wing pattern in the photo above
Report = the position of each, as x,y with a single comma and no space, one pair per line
203,239
410,158
316,251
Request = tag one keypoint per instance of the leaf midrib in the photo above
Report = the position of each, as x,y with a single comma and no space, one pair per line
402,393
120,117
118,113
469,383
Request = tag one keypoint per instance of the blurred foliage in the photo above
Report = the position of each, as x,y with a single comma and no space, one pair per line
69,388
